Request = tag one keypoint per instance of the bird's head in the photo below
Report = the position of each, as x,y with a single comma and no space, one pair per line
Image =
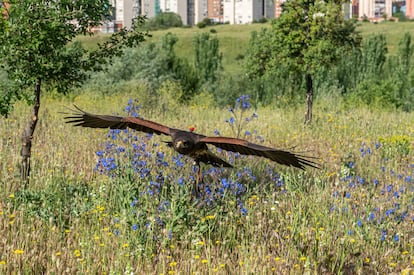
183,146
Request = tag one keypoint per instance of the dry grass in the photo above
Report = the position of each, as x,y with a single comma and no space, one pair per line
71,219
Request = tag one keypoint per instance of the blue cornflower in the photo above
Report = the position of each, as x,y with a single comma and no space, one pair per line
244,210
134,202
396,238
376,182
134,227
383,235
359,223
351,164
239,188
164,206
247,133
99,153
371,216
216,132
389,212
280,182
159,221
225,183
178,161
208,190
181,181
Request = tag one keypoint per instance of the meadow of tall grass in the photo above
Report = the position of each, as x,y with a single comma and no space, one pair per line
112,202
234,39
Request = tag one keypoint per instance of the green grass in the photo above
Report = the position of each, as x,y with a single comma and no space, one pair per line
234,39
71,219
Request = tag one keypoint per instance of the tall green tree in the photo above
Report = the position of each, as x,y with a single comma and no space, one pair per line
207,57
308,36
38,50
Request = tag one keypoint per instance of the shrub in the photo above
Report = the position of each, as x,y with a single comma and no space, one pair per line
164,20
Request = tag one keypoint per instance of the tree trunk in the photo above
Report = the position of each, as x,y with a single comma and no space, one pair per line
309,98
27,136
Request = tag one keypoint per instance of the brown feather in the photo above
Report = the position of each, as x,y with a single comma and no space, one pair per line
247,148
84,119
194,144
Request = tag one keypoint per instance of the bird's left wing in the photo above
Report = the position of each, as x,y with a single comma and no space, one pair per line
247,148
84,119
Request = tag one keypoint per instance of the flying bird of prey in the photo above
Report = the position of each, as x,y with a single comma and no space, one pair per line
189,143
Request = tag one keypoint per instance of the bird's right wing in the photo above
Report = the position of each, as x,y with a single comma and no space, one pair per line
247,148
84,119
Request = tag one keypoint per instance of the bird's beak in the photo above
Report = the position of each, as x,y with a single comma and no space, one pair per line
179,144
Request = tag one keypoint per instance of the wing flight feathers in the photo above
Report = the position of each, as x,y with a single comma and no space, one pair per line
85,119
247,148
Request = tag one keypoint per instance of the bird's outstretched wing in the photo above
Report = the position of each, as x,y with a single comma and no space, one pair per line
247,148
84,119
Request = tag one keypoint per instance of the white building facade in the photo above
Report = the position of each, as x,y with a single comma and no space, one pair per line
372,9
246,11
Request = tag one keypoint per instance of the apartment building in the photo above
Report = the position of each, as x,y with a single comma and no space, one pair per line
215,10
233,11
409,9
278,7
123,13
201,10
374,9
190,11
246,11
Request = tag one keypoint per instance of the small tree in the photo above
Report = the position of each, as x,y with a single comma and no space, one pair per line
165,20
303,39
37,48
207,59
